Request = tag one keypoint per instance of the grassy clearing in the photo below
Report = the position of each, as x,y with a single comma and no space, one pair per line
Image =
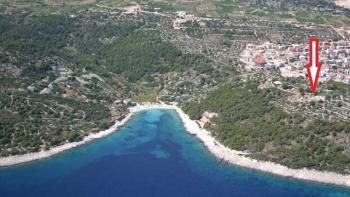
147,95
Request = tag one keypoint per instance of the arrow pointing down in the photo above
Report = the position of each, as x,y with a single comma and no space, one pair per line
314,67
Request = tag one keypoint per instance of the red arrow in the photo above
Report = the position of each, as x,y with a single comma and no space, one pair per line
314,67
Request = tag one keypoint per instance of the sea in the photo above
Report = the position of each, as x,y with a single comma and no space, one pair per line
150,156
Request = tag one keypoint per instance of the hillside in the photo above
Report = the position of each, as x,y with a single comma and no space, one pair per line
71,68
63,77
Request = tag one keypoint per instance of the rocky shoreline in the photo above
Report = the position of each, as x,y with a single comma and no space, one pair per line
221,152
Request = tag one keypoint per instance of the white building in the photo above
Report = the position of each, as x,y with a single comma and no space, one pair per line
181,14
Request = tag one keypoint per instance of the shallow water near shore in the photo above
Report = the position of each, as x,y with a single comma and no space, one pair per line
152,155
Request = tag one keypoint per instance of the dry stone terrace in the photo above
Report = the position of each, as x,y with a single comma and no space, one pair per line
220,41
223,40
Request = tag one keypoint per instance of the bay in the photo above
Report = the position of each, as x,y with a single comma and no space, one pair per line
151,156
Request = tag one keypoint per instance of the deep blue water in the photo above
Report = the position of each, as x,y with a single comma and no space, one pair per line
150,156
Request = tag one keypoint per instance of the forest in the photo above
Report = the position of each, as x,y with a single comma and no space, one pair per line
248,121
33,50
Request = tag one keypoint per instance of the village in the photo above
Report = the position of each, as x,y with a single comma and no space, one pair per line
292,59
278,50
234,71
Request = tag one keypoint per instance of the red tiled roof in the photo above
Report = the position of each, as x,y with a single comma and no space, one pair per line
259,59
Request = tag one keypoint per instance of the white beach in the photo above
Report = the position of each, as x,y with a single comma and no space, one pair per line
217,149
20,159
237,157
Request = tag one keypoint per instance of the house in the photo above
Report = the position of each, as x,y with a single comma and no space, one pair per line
278,83
59,69
347,80
259,60
270,65
181,14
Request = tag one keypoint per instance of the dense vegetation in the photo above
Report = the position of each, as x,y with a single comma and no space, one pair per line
248,121
89,63
140,55
30,49
34,121
61,75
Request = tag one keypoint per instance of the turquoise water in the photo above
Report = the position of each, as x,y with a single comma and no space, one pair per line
150,156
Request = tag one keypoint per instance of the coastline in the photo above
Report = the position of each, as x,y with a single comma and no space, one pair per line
221,152
237,158
30,157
